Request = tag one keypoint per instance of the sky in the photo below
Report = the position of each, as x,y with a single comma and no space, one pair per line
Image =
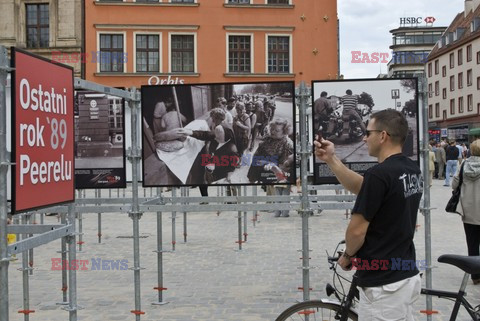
365,26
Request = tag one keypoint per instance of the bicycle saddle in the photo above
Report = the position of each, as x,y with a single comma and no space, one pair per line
469,264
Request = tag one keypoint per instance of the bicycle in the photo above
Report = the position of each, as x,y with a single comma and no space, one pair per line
343,308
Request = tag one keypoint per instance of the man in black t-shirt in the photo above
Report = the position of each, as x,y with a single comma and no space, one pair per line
379,237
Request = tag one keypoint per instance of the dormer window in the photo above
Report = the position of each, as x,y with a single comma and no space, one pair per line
475,24
450,38
458,33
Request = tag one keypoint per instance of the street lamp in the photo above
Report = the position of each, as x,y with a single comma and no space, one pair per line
395,96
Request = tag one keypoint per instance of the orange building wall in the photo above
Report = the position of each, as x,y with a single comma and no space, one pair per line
211,17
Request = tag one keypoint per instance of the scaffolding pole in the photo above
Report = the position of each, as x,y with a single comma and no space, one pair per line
305,210
64,252
72,273
135,213
160,287
426,192
4,163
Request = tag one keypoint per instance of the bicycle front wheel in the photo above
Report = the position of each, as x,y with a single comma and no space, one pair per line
313,311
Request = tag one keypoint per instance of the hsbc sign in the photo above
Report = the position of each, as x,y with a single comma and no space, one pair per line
416,20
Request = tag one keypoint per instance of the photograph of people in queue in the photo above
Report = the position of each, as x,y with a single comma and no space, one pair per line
222,134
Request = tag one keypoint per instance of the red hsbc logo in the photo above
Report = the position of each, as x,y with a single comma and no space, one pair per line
430,19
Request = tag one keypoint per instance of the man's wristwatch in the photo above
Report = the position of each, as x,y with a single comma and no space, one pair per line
345,255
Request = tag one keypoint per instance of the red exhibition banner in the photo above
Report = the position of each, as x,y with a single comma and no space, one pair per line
43,141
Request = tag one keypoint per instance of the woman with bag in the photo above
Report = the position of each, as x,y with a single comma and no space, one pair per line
470,201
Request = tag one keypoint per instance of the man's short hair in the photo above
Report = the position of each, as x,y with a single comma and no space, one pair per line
348,92
393,122
323,94
475,148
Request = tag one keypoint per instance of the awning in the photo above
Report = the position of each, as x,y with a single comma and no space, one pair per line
474,132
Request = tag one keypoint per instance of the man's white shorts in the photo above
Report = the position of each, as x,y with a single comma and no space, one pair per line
390,302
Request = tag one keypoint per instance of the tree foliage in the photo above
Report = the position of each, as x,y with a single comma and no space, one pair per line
366,99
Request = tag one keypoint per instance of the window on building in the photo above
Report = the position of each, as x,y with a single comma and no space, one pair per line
452,83
140,0
452,60
436,67
470,102
38,23
469,77
238,1
437,110
278,54
147,55
478,57
437,88
429,69
460,56
430,111
452,106
182,1
444,71
430,91
111,53
460,105
239,51
478,83
182,53
460,80
277,2
469,53
115,115
444,93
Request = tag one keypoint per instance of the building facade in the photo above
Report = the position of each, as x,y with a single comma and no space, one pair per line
453,73
139,42
46,28
410,48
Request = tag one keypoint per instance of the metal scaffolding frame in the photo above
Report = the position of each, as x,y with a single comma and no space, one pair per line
304,203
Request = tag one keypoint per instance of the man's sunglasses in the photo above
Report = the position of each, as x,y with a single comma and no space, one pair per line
368,132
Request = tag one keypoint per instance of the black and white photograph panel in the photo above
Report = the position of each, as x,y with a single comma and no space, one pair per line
218,134
342,110
99,141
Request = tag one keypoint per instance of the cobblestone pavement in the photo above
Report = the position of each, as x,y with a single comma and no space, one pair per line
207,278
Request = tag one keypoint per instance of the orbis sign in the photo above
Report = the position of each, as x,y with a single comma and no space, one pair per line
43,141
